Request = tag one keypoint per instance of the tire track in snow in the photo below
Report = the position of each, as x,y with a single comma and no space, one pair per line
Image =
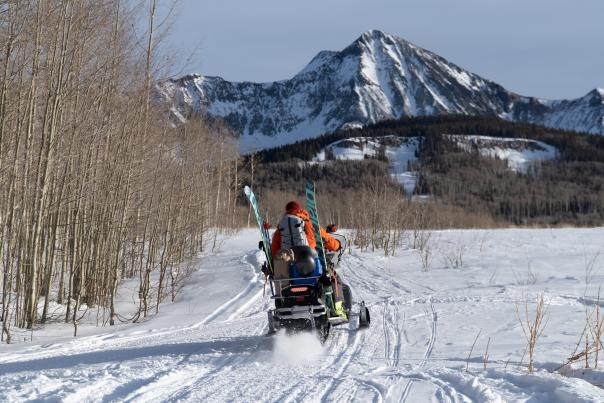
379,389
247,290
392,338
366,289
336,380
158,386
427,354
375,275
390,322
181,390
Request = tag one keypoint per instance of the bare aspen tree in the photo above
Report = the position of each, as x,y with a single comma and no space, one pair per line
95,185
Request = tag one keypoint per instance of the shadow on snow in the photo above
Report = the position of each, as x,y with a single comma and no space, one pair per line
234,345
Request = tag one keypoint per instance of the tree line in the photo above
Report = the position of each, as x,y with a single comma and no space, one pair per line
95,185
464,188
566,190
574,146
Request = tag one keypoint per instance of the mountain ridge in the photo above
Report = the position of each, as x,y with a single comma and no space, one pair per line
377,77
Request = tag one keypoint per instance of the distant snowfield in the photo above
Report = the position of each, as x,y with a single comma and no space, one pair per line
519,153
400,151
210,345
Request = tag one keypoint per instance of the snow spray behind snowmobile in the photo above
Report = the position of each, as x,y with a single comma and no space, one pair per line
305,288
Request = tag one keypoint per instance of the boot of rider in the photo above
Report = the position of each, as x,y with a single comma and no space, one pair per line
339,306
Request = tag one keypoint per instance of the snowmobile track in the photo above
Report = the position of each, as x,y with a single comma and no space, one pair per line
295,390
427,354
336,379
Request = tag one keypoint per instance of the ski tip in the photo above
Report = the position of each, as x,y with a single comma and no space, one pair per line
247,190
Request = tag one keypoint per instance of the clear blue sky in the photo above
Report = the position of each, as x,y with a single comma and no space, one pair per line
545,48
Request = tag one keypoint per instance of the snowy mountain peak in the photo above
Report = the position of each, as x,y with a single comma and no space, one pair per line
377,77
374,35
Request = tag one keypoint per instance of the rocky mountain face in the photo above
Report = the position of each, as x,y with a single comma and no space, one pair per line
379,76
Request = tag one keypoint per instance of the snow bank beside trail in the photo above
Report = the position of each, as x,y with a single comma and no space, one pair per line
496,385
519,153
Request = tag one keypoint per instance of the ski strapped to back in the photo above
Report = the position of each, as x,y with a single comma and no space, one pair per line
311,205
263,231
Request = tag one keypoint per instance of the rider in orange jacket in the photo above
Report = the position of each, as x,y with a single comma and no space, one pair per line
294,208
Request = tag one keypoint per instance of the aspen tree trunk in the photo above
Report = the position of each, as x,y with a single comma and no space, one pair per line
218,191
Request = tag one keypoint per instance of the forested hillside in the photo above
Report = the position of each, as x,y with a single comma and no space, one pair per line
566,190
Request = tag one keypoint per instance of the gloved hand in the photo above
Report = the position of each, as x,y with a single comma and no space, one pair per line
265,269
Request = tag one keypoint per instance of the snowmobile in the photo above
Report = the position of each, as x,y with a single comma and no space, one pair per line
304,290
305,301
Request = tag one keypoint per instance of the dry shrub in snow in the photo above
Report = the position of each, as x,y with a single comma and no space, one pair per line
453,254
590,339
532,327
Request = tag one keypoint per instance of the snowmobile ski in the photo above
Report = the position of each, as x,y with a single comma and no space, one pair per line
364,318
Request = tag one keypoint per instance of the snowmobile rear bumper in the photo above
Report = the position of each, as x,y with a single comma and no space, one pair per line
299,312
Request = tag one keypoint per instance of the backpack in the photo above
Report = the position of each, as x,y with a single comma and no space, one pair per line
292,232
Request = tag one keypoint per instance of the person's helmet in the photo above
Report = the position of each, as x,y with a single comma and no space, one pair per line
293,207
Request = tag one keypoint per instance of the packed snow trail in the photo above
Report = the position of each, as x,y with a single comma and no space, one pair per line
211,344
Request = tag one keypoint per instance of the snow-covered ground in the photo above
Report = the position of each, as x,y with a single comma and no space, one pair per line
400,152
211,345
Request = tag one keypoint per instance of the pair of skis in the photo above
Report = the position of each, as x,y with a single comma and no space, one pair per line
311,204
